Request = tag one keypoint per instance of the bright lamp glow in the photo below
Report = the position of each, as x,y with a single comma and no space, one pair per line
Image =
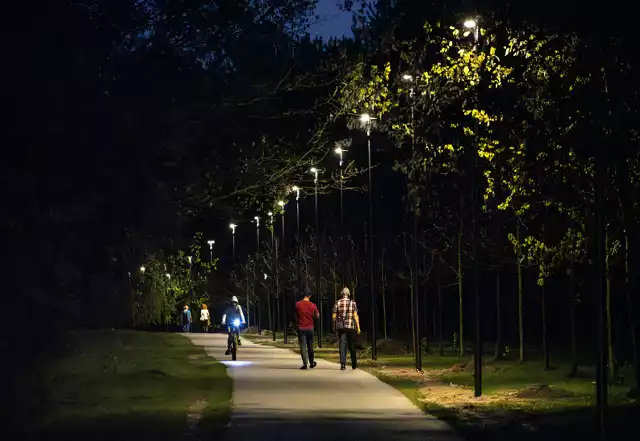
265,276
236,322
270,213
142,269
365,118
295,188
313,170
281,203
189,258
232,226
211,242
407,77
168,276
338,150
470,24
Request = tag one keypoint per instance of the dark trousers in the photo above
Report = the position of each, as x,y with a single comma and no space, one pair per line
305,338
347,338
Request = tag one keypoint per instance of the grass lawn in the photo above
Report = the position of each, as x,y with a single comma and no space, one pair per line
126,385
520,401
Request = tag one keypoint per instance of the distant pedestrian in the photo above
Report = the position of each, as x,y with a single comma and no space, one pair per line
306,311
205,318
186,319
347,323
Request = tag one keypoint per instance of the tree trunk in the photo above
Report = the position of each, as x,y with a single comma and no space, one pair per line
498,349
393,314
440,324
412,314
545,342
460,304
425,306
613,370
573,324
631,308
520,296
384,298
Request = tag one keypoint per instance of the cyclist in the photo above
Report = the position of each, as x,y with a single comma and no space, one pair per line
232,313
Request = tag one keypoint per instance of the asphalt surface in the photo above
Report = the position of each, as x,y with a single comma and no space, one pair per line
274,400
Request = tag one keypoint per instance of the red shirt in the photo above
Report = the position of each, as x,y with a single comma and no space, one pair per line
306,311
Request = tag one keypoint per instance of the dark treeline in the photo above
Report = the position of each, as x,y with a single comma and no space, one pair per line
137,125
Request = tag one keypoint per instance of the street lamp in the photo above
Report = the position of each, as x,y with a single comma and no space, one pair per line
415,298
190,259
168,276
472,25
257,219
142,269
366,120
211,243
314,170
296,190
281,204
233,243
340,152
274,270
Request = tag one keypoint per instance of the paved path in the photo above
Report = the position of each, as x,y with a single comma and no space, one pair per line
274,400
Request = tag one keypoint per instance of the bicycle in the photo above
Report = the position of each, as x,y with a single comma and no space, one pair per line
234,343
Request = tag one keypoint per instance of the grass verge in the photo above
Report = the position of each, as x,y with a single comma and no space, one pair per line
126,385
520,401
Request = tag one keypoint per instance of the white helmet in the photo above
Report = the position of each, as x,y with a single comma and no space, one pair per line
234,299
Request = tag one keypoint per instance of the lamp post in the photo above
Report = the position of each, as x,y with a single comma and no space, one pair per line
296,189
415,297
142,270
211,243
274,269
314,170
340,152
266,285
366,120
257,219
233,243
281,204
472,25
190,260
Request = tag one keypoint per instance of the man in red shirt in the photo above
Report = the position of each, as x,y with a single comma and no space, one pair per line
306,311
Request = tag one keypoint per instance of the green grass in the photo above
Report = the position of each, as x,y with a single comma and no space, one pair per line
127,385
567,413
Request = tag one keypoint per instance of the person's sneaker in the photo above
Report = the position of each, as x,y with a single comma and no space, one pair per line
313,364
227,352
354,367
343,367
303,368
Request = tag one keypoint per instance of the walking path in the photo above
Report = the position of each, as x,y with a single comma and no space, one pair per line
274,400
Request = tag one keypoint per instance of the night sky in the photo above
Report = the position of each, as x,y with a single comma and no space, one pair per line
333,22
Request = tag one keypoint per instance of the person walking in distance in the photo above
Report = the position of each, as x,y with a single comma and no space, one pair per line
186,319
306,311
205,318
347,323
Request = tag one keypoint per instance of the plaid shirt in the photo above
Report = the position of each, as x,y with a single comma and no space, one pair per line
345,309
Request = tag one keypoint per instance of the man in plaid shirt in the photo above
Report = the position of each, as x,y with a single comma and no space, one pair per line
347,323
